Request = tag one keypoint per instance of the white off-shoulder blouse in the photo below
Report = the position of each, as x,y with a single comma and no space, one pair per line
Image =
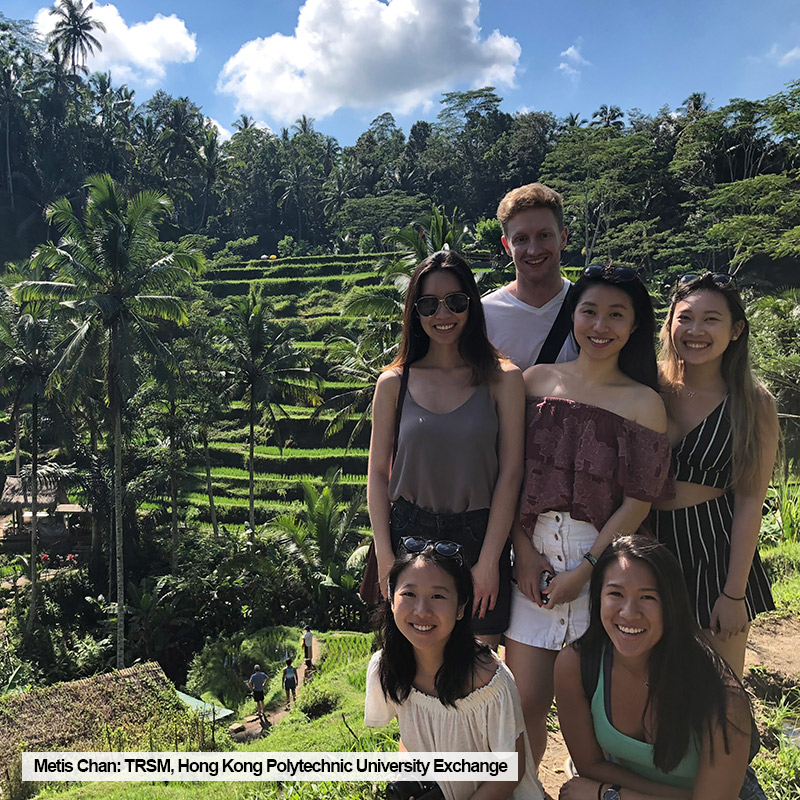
486,720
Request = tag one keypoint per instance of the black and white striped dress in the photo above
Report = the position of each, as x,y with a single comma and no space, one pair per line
700,536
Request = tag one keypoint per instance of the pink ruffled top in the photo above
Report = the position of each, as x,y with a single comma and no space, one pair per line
583,459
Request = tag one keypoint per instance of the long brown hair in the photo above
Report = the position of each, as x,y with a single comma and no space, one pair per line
746,393
473,346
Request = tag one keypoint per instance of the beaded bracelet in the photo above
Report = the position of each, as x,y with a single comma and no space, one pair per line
591,559
736,599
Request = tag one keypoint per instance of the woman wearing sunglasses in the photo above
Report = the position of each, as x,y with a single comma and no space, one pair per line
445,459
596,456
724,429
448,691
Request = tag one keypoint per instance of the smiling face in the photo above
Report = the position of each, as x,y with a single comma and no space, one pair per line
445,326
534,241
630,607
603,321
425,604
702,327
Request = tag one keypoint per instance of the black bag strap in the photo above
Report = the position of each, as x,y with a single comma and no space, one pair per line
401,396
558,333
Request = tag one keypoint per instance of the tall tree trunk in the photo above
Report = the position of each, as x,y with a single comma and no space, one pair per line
34,510
97,543
117,413
17,461
173,485
212,509
252,466
9,178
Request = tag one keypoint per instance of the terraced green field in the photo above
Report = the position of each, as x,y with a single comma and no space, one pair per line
310,293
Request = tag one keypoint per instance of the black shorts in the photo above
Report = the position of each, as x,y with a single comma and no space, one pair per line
469,530
290,684
258,696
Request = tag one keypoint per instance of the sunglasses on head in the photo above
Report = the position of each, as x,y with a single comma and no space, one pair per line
414,545
428,304
721,279
617,274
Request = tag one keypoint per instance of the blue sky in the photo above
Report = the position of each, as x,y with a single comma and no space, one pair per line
343,62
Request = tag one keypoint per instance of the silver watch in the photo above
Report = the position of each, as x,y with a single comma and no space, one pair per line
612,793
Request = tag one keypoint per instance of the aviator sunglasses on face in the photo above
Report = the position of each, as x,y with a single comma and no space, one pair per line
443,548
721,279
618,274
428,304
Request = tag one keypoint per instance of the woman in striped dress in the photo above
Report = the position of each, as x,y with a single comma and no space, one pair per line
724,429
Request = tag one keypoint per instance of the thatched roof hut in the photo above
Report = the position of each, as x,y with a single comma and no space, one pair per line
79,714
15,495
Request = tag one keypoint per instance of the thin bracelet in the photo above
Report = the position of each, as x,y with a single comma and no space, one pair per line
600,791
591,559
736,599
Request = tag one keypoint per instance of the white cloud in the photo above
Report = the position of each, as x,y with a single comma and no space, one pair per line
783,59
366,54
571,67
573,54
224,133
138,53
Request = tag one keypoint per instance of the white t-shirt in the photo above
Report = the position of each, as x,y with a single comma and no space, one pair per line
518,330
308,638
487,721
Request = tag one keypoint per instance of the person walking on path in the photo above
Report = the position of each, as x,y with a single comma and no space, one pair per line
289,681
308,642
256,684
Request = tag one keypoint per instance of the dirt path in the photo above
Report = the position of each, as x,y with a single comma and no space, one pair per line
252,727
774,644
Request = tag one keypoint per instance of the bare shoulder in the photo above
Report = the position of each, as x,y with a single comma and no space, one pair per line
486,667
507,367
649,409
539,378
389,381
767,407
509,377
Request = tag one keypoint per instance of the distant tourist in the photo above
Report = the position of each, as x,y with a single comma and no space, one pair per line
724,429
527,320
596,456
646,707
448,691
308,644
256,684
289,681
445,459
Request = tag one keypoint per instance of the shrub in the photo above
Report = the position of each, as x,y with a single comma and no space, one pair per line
287,247
366,243
489,233
315,701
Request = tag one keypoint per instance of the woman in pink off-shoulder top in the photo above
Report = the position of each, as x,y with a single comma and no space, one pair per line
596,456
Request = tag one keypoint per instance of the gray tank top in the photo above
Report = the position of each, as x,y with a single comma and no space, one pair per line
447,463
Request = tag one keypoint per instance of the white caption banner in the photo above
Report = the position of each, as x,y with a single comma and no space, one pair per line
74,766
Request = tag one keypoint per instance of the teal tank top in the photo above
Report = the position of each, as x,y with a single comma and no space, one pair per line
635,755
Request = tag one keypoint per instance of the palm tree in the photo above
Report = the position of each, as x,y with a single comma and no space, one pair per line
573,121
608,117
244,122
114,290
264,368
25,364
298,184
357,361
320,542
72,35
211,161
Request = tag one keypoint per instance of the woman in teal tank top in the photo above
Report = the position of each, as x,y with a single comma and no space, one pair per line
646,707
